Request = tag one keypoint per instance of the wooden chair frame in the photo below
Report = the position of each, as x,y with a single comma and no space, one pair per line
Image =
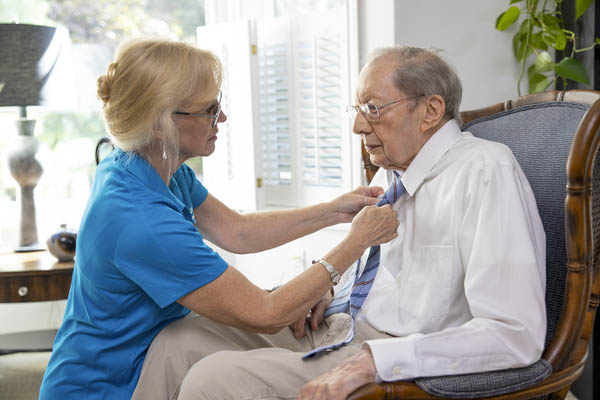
567,350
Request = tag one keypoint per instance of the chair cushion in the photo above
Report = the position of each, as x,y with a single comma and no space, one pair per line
21,375
486,384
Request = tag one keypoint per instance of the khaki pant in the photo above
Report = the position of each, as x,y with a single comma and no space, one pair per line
196,358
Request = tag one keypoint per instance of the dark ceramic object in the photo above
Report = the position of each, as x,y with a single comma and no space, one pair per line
62,244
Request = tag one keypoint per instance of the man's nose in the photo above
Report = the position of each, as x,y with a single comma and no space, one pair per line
361,125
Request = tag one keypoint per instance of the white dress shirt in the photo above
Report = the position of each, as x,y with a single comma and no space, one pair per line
462,286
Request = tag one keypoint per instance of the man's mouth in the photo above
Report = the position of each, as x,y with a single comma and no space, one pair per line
370,147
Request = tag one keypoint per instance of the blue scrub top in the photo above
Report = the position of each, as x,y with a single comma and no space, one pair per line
138,252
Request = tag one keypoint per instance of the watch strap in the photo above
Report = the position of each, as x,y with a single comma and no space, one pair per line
333,274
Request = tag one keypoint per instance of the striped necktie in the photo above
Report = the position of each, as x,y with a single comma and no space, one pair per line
364,282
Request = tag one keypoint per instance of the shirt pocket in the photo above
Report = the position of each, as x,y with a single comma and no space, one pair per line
427,284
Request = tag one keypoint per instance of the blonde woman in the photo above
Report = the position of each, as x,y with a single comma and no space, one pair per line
142,262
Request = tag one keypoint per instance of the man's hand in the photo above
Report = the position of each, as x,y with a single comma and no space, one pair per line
344,379
316,316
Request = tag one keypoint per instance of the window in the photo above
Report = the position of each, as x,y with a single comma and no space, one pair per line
296,144
68,136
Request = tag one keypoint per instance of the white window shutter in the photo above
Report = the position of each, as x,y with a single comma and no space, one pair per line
230,173
287,126
275,105
322,81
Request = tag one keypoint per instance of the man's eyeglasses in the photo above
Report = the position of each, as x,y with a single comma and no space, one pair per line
372,111
214,111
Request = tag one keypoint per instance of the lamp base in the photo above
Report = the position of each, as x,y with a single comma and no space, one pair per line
26,170
29,248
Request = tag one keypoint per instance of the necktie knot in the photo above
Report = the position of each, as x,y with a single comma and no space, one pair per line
393,192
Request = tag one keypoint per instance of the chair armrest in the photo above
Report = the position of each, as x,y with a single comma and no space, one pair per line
391,390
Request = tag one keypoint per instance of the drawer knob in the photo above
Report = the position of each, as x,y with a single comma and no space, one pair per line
23,290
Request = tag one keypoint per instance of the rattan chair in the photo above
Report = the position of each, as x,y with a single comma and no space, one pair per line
555,137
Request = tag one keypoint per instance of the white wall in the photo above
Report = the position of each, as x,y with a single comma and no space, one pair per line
481,55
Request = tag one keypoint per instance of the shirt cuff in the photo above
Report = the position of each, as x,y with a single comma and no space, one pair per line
394,358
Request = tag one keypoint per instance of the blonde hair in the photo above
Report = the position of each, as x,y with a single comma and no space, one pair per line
147,82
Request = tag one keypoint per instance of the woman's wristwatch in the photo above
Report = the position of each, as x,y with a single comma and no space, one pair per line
333,274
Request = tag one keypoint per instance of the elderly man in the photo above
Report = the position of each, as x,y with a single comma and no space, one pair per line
460,290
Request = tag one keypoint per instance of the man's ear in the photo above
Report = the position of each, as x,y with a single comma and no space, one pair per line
435,108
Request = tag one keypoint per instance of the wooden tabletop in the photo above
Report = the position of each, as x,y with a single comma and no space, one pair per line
33,276
31,263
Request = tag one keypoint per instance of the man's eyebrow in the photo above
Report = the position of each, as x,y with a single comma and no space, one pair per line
365,99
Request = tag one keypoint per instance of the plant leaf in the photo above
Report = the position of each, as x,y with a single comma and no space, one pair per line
554,37
544,62
507,18
519,48
515,1
551,20
538,83
573,69
580,7
524,26
537,41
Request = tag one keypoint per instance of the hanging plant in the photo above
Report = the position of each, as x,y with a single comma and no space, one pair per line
542,29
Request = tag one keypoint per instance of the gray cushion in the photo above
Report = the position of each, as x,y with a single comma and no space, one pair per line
486,384
21,375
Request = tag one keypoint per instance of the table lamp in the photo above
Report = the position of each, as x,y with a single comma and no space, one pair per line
35,70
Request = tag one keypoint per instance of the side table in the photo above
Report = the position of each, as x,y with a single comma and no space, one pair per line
27,277
34,276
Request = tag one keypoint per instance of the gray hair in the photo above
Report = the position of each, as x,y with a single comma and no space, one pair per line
423,72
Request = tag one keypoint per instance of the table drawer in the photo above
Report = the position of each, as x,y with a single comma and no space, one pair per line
41,287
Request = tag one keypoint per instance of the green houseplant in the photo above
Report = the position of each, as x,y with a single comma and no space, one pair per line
543,29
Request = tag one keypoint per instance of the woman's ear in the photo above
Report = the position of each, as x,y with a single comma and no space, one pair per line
435,109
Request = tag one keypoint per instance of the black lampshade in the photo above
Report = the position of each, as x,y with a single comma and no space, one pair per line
35,66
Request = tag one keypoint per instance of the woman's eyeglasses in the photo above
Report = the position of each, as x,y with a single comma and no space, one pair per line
214,111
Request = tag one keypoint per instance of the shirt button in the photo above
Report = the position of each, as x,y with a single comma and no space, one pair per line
396,371
453,365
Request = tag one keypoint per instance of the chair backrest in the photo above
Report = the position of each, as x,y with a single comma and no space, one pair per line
555,136
540,137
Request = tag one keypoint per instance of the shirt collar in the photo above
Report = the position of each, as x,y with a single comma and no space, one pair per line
429,155
145,172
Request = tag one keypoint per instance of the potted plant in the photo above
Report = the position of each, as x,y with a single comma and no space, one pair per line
542,30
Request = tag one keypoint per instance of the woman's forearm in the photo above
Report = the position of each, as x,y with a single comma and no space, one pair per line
266,230
233,300
248,233
309,286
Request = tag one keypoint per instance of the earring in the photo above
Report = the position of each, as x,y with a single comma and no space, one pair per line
164,153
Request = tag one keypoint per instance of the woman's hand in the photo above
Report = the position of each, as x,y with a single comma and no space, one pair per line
374,225
347,205
316,316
